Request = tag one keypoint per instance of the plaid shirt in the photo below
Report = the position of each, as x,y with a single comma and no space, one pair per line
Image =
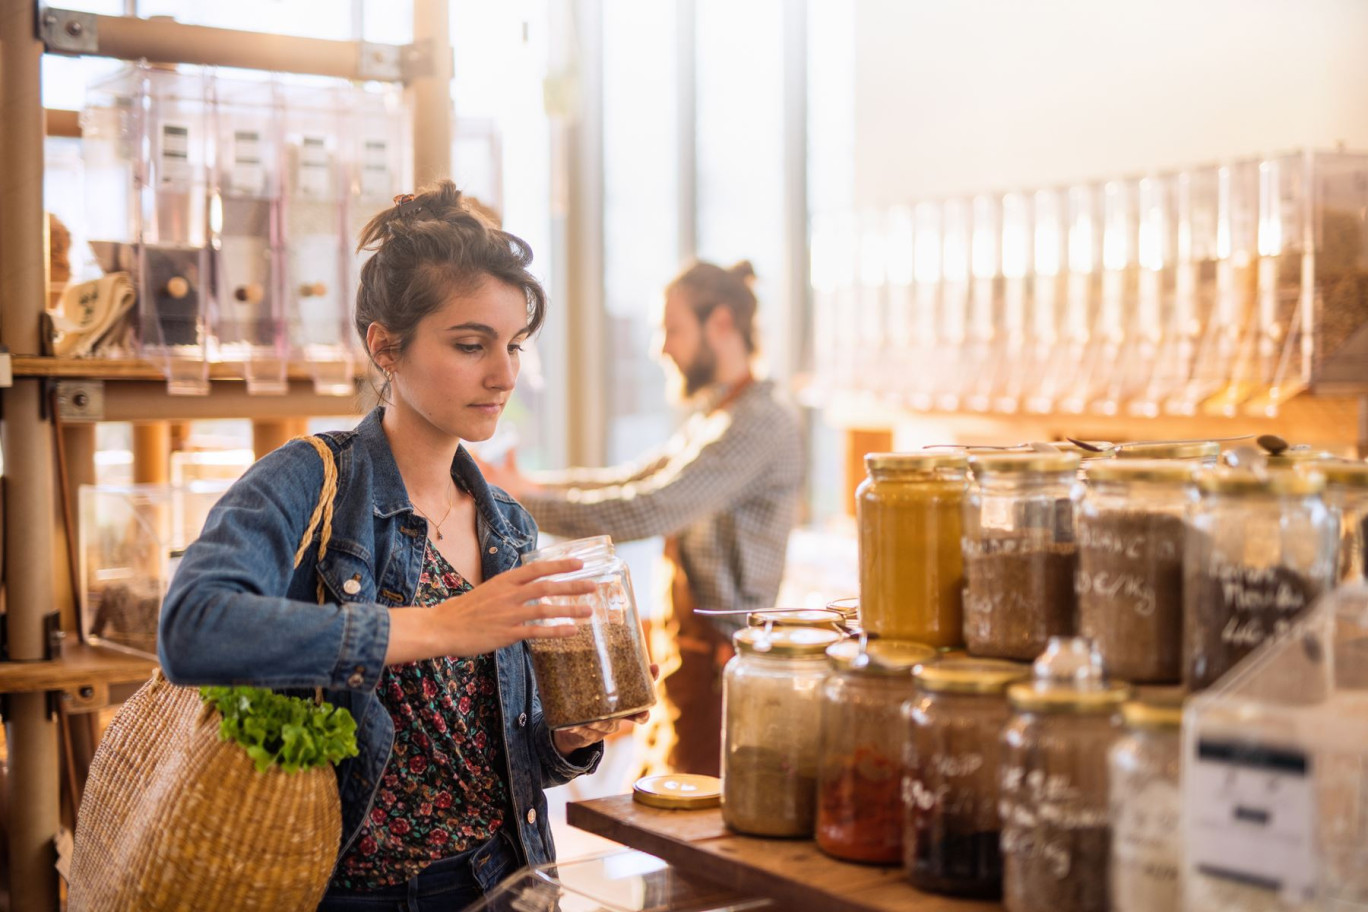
726,484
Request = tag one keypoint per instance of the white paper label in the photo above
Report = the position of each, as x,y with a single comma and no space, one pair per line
248,176
315,166
375,171
1253,817
175,153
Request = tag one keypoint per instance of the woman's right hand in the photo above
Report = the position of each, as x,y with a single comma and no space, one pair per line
492,615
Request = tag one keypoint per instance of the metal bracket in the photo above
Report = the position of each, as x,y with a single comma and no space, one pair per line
64,31
80,400
384,62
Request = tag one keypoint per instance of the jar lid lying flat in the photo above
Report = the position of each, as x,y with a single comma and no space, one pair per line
1193,449
1278,481
975,676
678,791
1031,697
1142,470
1139,714
1084,454
920,461
822,618
880,657
784,641
1342,472
1293,457
1011,463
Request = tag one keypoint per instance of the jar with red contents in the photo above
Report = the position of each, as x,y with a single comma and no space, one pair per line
859,810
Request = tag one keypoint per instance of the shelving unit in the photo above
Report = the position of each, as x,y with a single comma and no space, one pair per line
34,549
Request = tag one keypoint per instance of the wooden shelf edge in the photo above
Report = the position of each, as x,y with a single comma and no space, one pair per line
132,369
80,665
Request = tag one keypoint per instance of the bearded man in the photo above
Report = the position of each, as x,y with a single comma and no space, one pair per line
723,490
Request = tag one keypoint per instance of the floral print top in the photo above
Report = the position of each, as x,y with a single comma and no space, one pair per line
444,789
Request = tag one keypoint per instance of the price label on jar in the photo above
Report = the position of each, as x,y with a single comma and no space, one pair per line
1253,817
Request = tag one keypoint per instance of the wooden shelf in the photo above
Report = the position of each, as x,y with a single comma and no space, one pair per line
130,369
79,666
792,872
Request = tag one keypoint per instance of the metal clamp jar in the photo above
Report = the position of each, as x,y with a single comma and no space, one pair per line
769,739
1260,549
1055,838
1019,553
1346,494
860,771
1131,533
950,784
603,671
1201,452
1145,816
909,513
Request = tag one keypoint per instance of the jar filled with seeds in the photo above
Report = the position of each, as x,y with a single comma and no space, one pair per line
1055,835
1201,452
1019,552
860,771
1346,494
1145,815
1261,547
909,511
1131,532
603,671
950,787
770,707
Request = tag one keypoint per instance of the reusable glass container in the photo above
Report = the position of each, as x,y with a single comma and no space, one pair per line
952,746
1019,552
1261,547
860,772
1055,835
1346,494
909,512
1131,533
770,700
603,671
1145,817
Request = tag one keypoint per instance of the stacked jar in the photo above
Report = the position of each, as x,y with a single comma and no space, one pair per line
1261,547
860,776
1145,817
909,513
770,698
1019,553
1346,494
1055,837
950,786
1131,532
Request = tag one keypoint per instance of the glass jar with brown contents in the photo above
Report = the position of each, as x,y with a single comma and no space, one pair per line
909,512
860,774
950,783
770,703
1019,553
1131,532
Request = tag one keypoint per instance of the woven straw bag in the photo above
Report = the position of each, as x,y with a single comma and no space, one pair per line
174,818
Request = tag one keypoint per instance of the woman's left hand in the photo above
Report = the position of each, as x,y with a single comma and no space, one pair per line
569,740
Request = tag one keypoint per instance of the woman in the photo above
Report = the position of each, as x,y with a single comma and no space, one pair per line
421,634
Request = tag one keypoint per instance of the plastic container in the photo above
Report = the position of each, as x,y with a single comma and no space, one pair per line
603,671
909,512
1143,790
952,750
860,774
770,702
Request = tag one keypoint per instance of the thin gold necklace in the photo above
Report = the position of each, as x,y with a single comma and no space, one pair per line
451,502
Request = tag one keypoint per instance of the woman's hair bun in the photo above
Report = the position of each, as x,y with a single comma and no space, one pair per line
744,271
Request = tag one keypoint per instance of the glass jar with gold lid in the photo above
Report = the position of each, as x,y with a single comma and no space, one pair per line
1202,452
951,768
860,772
1019,552
1143,790
770,702
1055,836
1346,494
1261,546
909,515
1131,535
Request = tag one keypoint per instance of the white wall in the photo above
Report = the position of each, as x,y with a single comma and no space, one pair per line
958,96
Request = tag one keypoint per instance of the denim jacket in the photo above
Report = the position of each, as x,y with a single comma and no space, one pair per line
237,612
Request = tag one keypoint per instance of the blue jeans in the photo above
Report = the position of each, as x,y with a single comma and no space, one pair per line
448,885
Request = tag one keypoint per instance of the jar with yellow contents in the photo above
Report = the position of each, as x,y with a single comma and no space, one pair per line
909,513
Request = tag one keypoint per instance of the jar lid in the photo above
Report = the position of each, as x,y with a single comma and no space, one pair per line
1343,472
1142,470
880,657
825,618
1045,697
678,791
1140,714
1191,449
1085,454
1294,456
784,641
1016,463
920,461
1279,481
977,676
849,606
